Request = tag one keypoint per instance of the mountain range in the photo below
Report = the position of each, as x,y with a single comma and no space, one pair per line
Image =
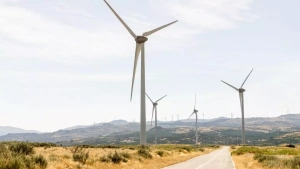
119,128
7,129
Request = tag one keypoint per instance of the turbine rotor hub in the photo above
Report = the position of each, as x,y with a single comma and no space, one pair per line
155,104
241,90
141,39
195,111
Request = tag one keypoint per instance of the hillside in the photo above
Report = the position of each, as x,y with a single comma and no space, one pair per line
213,131
7,129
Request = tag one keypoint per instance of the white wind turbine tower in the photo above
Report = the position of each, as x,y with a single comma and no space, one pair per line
196,113
155,108
140,40
241,93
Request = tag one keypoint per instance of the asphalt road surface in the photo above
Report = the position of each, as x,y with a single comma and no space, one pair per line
219,159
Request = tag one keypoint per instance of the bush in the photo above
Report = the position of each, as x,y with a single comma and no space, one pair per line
246,149
161,153
41,161
144,153
80,155
12,163
261,158
290,145
116,158
188,149
105,159
125,155
108,146
20,156
22,148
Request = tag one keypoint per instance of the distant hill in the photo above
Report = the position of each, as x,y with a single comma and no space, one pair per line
117,129
114,122
7,129
74,134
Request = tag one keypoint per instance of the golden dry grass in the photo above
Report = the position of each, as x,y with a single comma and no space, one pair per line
61,158
246,161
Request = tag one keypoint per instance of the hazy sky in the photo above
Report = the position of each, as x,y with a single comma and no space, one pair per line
69,62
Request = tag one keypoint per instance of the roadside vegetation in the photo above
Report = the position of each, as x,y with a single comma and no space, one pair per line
15,155
279,157
23,155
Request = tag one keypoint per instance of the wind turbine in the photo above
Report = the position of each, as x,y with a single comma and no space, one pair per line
155,108
241,93
140,40
196,113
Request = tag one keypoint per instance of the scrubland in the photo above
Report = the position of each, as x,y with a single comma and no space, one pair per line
275,157
16,155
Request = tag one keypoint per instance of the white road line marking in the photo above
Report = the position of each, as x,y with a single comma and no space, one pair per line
209,160
232,162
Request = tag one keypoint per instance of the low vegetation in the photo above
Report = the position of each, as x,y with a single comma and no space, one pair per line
79,154
15,155
283,157
23,155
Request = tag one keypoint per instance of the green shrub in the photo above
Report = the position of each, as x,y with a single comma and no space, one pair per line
261,158
116,158
125,155
12,163
246,149
188,149
80,155
105,159
144,153
108,146
41,161
21,148
287,152
161,153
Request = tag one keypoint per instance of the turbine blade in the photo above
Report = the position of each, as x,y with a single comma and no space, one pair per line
230,85
246,78
191,115
157,29
195,103
120,19
136,58
149,98
152,115
160,99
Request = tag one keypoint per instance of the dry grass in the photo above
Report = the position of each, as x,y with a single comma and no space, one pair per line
61,158
246,161
280,154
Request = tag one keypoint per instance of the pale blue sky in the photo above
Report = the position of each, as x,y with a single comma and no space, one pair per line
69,62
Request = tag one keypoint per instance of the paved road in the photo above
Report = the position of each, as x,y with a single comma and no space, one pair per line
219,159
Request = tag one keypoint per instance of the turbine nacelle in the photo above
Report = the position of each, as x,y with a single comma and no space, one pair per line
195,111
241,90
141,39
155,104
